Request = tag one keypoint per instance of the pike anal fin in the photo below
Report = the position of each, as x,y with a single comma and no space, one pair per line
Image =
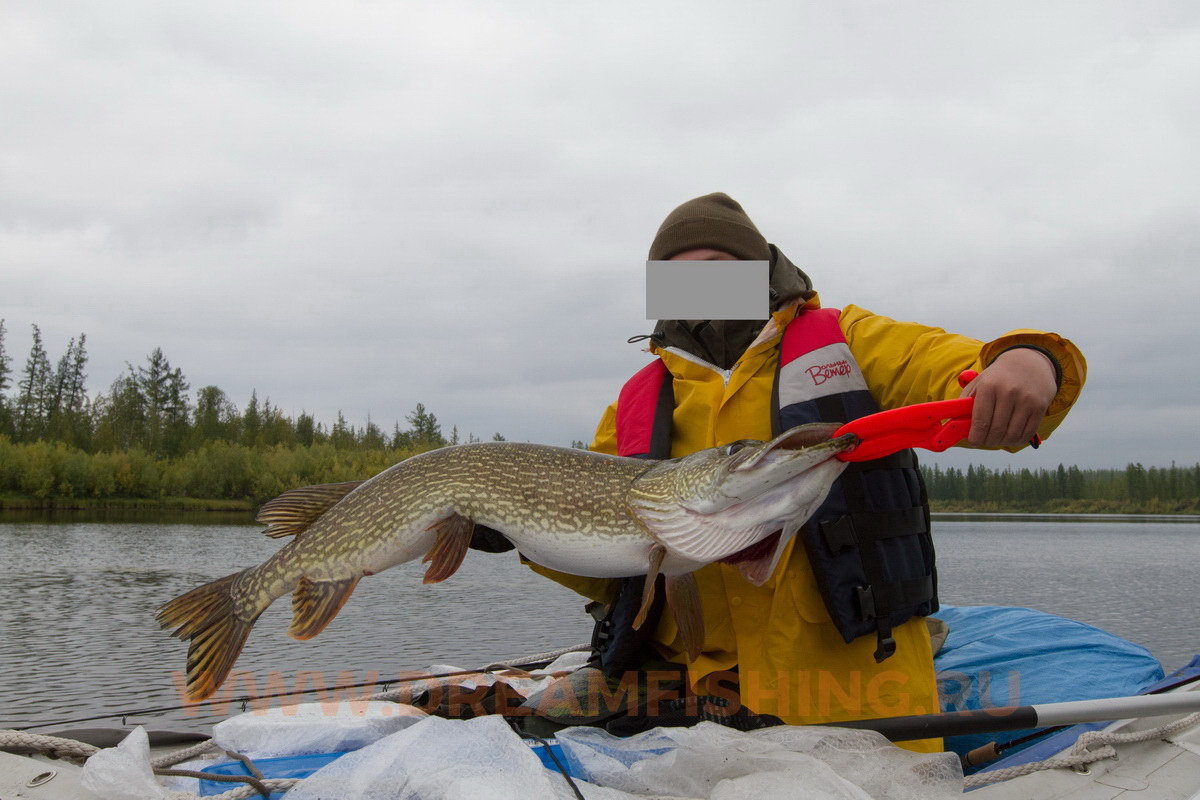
316,603
450,547
683,598
657,553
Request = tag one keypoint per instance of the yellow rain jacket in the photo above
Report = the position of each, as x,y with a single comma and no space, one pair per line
790,658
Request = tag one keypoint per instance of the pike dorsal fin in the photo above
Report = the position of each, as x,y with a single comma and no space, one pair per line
450,547
296,509
316,603
683,598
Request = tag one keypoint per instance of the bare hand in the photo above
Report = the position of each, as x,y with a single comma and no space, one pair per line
1011,398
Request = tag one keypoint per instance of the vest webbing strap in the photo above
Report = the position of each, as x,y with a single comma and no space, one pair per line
664,412
861,528
895,594
872,604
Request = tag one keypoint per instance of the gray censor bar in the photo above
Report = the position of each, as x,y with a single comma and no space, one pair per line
708,290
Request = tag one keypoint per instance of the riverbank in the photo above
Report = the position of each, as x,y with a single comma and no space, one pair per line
189,504
1093,506
20,503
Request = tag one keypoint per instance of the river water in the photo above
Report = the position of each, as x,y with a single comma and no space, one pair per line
78,636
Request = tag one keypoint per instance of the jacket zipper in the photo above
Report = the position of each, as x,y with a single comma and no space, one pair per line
725,374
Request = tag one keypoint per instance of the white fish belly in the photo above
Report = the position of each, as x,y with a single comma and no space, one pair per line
589,556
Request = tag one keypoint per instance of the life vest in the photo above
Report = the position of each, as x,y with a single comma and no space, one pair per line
869,543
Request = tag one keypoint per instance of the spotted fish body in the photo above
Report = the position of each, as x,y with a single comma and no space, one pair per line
572,510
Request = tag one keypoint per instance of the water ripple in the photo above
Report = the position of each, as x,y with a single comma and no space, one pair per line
79,638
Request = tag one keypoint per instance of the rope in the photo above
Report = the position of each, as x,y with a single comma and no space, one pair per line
558,764
255,783
533,659
270,785
1081,753
186,754
52,746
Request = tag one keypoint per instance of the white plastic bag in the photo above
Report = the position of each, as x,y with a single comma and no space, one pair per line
123,772
441,759
714,761
309,728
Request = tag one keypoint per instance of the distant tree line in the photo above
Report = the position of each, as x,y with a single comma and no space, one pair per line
1172,489
147,437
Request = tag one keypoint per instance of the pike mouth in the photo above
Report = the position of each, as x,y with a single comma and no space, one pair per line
761,548
758,561
817,436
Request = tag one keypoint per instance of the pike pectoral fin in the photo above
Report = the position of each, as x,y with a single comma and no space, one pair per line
449,549
683,598
316,603
657,553
296,509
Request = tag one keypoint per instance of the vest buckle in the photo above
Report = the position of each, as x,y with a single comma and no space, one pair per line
866,601
885,649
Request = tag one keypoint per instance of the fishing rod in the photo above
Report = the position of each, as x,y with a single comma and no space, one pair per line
1012,718
244,700
994,750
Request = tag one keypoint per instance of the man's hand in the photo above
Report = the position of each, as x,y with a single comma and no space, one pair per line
1011,398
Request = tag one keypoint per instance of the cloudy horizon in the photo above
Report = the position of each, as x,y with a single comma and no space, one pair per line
363,206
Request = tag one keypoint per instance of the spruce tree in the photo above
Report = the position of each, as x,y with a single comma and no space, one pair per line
426,431
5,370
66,401
251,421
34,392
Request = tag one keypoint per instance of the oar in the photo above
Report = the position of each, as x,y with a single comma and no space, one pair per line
1012,718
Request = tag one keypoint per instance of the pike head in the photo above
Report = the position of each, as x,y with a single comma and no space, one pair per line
740,503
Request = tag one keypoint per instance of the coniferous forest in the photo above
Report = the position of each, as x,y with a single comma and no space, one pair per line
151,436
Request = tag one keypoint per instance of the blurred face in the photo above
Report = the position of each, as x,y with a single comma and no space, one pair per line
703,254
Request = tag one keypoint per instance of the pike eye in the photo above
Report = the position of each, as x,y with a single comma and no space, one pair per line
733,447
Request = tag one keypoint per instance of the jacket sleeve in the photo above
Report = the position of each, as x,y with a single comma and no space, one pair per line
599,589
906,363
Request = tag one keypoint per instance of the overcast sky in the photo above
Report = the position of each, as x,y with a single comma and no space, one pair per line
362,206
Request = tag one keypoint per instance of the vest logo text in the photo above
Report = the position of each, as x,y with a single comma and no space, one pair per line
823,372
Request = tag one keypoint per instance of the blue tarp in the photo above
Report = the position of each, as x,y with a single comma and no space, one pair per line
1002,656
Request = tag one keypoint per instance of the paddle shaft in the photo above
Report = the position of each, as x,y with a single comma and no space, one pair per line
1012,718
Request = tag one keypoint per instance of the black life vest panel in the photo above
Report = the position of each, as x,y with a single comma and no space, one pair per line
869,543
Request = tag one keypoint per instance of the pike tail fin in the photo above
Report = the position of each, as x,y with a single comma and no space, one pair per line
316,603
216,628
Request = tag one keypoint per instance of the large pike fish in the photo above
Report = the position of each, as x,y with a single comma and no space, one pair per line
571,510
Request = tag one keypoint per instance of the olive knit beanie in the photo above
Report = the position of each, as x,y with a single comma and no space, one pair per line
714,220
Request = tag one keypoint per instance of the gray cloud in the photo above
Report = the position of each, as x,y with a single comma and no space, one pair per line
360,206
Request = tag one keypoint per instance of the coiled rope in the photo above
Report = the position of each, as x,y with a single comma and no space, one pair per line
1082,752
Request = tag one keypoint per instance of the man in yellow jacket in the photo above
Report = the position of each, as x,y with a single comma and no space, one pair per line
778,644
